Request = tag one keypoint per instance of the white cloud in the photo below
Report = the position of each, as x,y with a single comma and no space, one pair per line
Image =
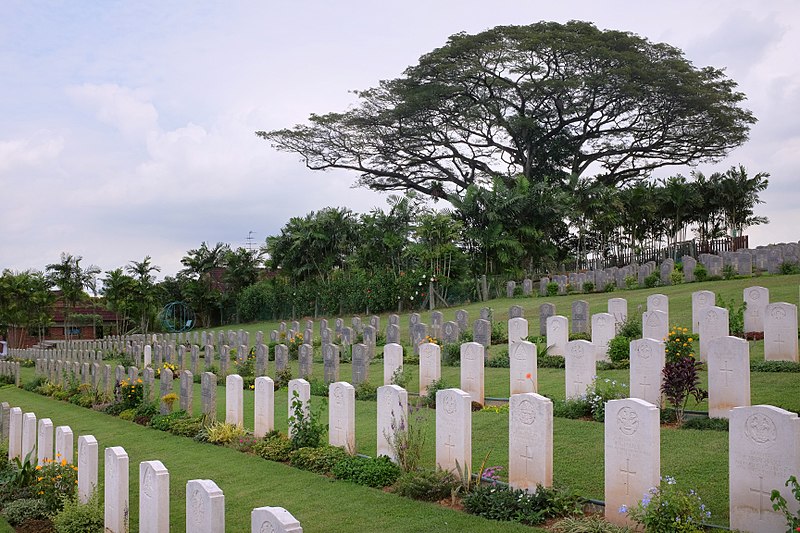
127,110
30,151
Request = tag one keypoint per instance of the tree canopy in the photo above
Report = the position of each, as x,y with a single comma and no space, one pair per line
546,101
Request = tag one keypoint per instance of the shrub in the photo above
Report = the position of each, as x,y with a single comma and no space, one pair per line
283,378
373,472
588,524
500,360
602,390
573,408
407,437
787,267
129,393
274,447
728,272
32,385
128,414
499,332
318,459
451,354
704,423
668,509
631,327
77,517
164,422
318,388
186,427
735,315
401,378
24,509
245,443
429,399
426,485
676,277
588,286
307,429
700,272
366,391
774,366
550,361
55,480
610,287
222,433
518,505
681,380
619,348
580,337
779,503
631,282
552,289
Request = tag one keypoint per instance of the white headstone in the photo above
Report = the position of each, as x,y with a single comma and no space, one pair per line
523,370
647,358
728,376
655,325
713,326
472,370
603,330
517,330
15,433
453,429
29,436
116,490
64,444
580,368
392,416
430,365
44,444
618,308
205,507
780,332
153,497
273,520
342,416
148,355
701,301
234,400
557,334
632,455
264,406
756,300
530,441
392,361
658,302
87,467
303,389
764,448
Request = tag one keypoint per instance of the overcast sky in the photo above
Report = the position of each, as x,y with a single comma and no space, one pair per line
126,128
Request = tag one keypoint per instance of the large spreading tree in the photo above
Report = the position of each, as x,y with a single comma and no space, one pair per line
549,102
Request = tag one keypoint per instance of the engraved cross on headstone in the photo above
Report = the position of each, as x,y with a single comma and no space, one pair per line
627,472
528,456
580,387
761,493
644,384
450,447
725,371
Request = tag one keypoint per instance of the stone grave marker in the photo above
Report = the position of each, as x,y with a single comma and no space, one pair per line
713,325
780,332
224,360
482,334
153,497
430,365
603,330
418,335
264,406
485,314
530,441
28,435
116,490
763,452
370,340
666,268
618,308
234,400
165,382
281,357
511,286
303,390
543,283
546,310
658,302
360,364
462,319
453,429
187,390
527,287
342,416
655,325
728,376
273,520
756,300
208,384
306,360
522,363
701,301
689,264
262,359
451,333
472,370
437,319
580,367
375,322
205,507
392,361
44,442
516,311
64,444
330,363
392,415
580,316
517,330
393,334
87,467
557,335
632,455
647,359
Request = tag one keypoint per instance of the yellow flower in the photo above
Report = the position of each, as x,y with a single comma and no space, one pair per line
38,467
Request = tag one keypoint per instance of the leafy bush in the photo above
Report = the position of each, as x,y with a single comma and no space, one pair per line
451,354
588,524
787,267
779,503
668,509
552,289
676,277
222,433
426,485
77,517
619,348
704,423
401,378
631,282
550,361
55,480
588,286
283,378
774,366
32,385
164,422
274,447
573,408
610,287
499,332
518,505
318,459
245,443
186,426
728,272
407,437
631,327
372,472
129,393
128,414
602,390
429,399
700,272
366,391
318,388
24,509
735,315
307,429
580,337
500,360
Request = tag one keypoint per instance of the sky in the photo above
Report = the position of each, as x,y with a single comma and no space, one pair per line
127,127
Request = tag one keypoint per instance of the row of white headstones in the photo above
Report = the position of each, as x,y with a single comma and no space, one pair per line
205,501
764,445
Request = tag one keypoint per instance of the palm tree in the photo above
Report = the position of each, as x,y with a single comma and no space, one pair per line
71,279
119,291
145,288
738,195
